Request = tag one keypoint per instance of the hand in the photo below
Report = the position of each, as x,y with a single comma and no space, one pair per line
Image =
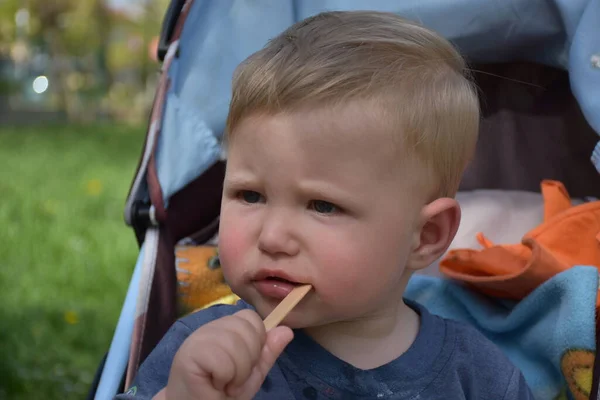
228,358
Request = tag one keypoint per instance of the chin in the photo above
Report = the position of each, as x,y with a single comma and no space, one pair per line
300,317
262,306
297,319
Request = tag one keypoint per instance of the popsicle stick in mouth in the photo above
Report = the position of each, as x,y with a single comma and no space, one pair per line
286,305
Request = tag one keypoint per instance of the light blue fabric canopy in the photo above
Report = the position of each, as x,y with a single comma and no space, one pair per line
218,35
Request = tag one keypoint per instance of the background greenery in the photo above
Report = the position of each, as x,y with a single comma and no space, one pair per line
66,256
68,152
99,57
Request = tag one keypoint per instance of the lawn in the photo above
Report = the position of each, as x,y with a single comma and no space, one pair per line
66,256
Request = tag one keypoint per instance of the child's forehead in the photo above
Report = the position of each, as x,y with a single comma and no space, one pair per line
319,137
347,139
354,123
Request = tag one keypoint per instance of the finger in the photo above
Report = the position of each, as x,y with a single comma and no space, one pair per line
255,322
277,339
241,354
247,339
217,362
240,339
250,327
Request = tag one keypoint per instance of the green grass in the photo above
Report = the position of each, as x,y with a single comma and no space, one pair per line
66,256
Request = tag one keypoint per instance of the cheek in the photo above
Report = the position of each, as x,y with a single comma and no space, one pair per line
234,244
359,263
343,262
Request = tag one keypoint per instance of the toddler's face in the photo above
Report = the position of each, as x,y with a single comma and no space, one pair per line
318,198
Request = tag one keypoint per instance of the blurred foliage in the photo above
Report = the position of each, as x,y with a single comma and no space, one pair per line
66,256
100,60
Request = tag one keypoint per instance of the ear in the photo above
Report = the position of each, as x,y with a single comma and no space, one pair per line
439,223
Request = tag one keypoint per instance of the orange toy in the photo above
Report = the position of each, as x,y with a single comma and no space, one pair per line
199,277
568,236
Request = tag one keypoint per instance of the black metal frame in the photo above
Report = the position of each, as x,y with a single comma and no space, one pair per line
140,218
168,26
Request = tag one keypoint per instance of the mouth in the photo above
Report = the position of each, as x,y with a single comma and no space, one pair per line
281,280
276,276
274,284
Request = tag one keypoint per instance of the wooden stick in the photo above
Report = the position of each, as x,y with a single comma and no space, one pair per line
286,305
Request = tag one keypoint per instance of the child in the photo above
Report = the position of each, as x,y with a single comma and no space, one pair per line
347,136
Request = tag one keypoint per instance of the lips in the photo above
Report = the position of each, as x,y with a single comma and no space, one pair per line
280,280
275,275
274,284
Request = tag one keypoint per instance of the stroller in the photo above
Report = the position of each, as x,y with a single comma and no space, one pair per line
537,65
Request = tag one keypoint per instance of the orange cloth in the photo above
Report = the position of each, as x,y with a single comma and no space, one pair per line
568,236
200,279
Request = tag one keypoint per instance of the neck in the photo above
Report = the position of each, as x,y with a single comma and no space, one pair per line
371,341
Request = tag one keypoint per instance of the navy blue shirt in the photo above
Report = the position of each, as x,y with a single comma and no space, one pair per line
448,360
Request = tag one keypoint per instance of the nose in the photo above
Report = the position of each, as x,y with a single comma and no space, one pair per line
277,234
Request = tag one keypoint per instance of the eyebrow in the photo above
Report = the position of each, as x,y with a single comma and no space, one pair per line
326,191
240,180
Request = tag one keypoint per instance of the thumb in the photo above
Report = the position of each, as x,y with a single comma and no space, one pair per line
277,339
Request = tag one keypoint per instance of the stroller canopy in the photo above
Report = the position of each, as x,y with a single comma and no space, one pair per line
218,35
537,63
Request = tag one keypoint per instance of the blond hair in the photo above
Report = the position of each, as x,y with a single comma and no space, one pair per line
417,77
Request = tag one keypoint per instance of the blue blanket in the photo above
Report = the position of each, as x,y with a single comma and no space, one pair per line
549,335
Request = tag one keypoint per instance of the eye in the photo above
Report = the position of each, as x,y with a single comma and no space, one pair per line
324,207
250,196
